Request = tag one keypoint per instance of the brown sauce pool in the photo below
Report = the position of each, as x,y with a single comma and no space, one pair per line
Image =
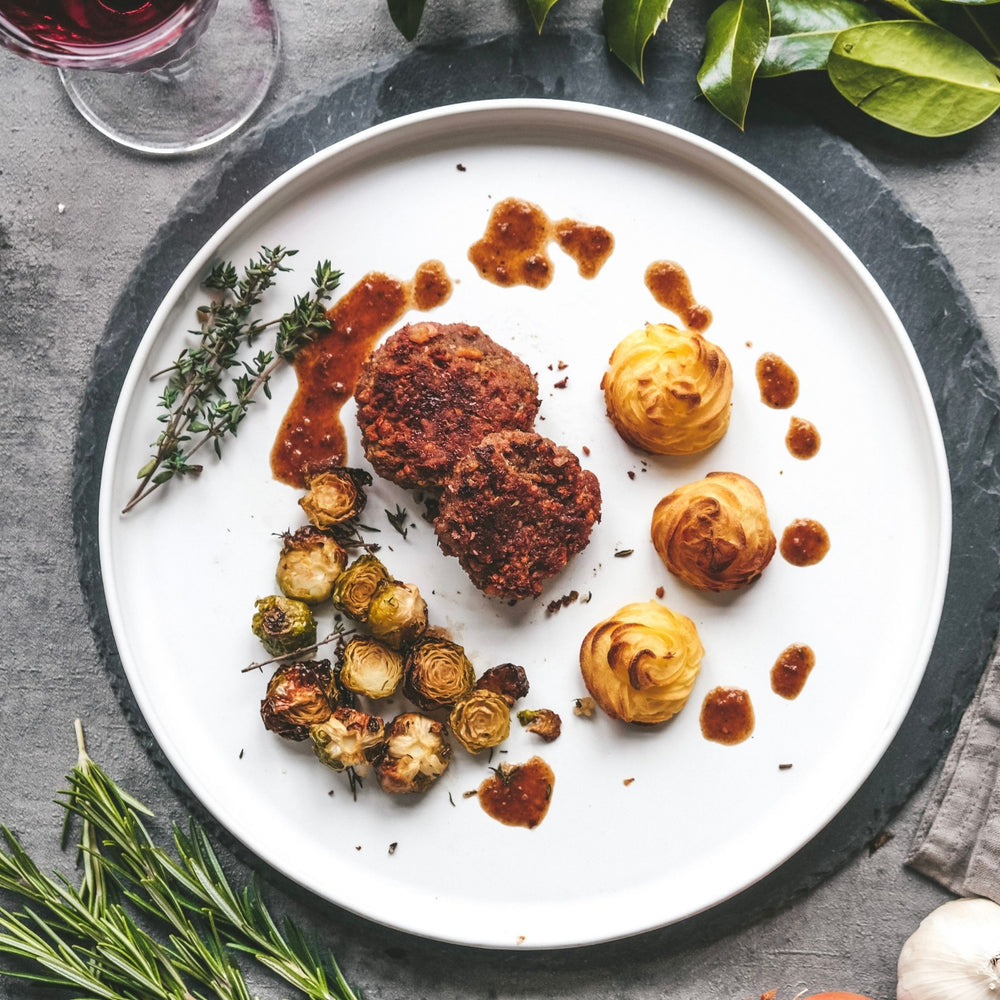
312,436
804,542
514,248
670,286
791,670
802,439
779,385
727,716
518,794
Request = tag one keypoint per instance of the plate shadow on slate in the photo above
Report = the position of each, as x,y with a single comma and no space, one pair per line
830,176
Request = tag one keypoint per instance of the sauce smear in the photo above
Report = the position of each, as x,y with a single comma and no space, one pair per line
779,385
802,439
518,794
804,542
670,286
312,436
514,248
727,716
791,670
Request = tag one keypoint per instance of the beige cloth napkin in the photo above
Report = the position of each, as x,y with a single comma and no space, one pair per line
958,840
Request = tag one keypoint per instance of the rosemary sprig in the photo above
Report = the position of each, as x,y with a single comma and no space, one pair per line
145,924
198,409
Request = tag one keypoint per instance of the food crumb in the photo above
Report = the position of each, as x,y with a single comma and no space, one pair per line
561,365
392,847
562,383
520,939
357,847
623,553
562,602
584,707
241,755
784,767
470,794
631,474
660,592
460,167
628,781
585,449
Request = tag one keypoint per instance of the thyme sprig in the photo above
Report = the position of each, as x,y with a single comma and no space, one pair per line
144,923
199,407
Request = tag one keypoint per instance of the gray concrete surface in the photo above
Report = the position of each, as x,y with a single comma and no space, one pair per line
75,214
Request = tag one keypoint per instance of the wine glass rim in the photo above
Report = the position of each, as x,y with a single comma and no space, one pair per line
112,55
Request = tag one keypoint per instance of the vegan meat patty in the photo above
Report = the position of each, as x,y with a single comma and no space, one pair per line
430,392
515,510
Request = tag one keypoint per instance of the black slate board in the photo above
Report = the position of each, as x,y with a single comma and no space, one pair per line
829,175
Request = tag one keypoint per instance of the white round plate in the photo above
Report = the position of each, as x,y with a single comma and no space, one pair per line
646,826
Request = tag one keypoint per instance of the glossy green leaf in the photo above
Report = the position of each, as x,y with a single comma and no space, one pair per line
630,24
539,11
406,15
736,38
802,33
978,23
914,76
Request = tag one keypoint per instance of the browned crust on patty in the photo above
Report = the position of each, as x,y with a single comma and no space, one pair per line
430,392
515,510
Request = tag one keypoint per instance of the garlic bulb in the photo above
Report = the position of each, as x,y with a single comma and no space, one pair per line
953,955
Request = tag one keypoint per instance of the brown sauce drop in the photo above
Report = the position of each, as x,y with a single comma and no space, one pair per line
518,794
804,542
671,288
791,670
727,716
779,385
802,439
514,248
312,436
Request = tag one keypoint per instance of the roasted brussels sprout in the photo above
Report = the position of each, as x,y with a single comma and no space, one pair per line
354,588
437,673
397,614
417,752
309,563
335,497
507,679
299,695
542,722
480,720
349,738
284,626
370,667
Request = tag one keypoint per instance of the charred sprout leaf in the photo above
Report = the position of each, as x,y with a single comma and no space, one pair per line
508,680
539,11
299,695
406,15
336,497
397,614
398,520
629,25
354,589
370,668
437,673
283,625
802,33
349,739
914,76
417,753
480,720
736,39
310,562
542,722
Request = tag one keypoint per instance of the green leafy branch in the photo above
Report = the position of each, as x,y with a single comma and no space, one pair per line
928,67
143,922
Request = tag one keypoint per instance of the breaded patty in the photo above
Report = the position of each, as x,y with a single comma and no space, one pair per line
515,510
430,392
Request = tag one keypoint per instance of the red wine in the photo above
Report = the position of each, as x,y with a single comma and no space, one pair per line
112,31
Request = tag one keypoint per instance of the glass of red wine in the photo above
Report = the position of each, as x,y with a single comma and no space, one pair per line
159,76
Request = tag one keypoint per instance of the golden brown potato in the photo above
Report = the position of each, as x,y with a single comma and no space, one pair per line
714,533
668,391
640,664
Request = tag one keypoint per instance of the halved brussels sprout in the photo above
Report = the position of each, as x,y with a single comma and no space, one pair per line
397,614
284,626
542,722
507,679
480,720
310,562
371,668
354,588
438,673
417,753
335,497
299,695
349,738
